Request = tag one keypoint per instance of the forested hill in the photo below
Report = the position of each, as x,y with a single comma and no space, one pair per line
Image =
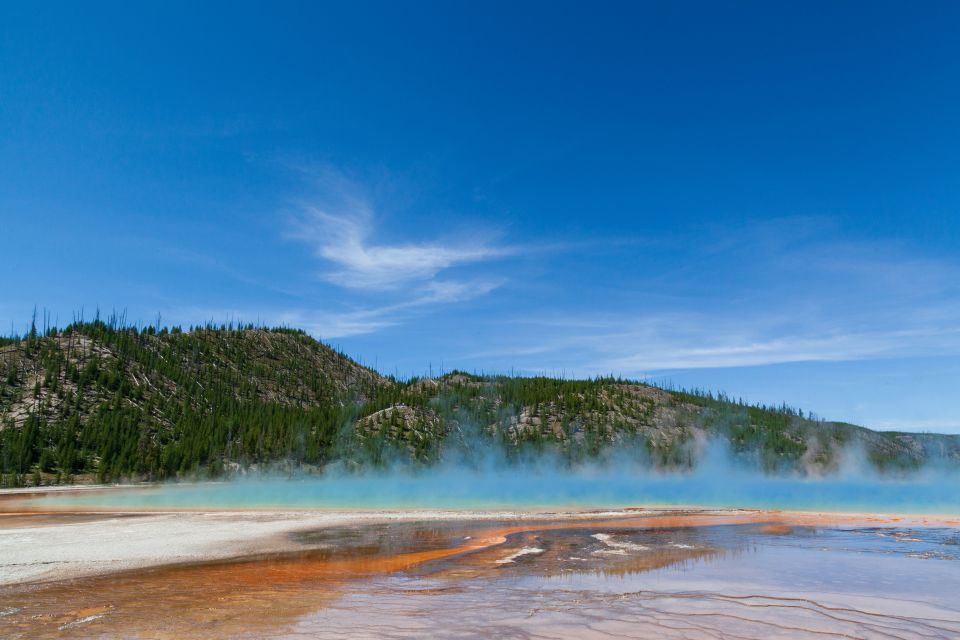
96,401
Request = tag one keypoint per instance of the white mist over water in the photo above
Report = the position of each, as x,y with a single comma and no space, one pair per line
544,483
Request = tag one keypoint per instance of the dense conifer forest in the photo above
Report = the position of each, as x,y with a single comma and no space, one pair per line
104,401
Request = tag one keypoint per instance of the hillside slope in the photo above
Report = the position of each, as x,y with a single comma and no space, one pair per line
95,401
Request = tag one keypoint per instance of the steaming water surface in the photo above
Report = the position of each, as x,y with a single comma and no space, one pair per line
923,493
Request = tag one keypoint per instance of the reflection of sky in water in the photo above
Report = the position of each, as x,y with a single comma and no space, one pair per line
921,562
507,488
864,583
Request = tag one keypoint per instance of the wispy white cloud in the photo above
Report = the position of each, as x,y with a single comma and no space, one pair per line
737,350
383,279
329,325
698,342
776,292
332,325
344,240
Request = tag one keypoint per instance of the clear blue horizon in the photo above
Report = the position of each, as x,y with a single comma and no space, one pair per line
758,198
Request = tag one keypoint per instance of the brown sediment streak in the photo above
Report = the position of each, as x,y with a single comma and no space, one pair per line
860,618
845,622
808,604
244,593
305,563
300,567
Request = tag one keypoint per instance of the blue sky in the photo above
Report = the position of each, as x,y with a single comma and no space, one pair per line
762,198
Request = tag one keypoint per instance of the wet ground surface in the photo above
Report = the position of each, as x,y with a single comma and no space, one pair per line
675,578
